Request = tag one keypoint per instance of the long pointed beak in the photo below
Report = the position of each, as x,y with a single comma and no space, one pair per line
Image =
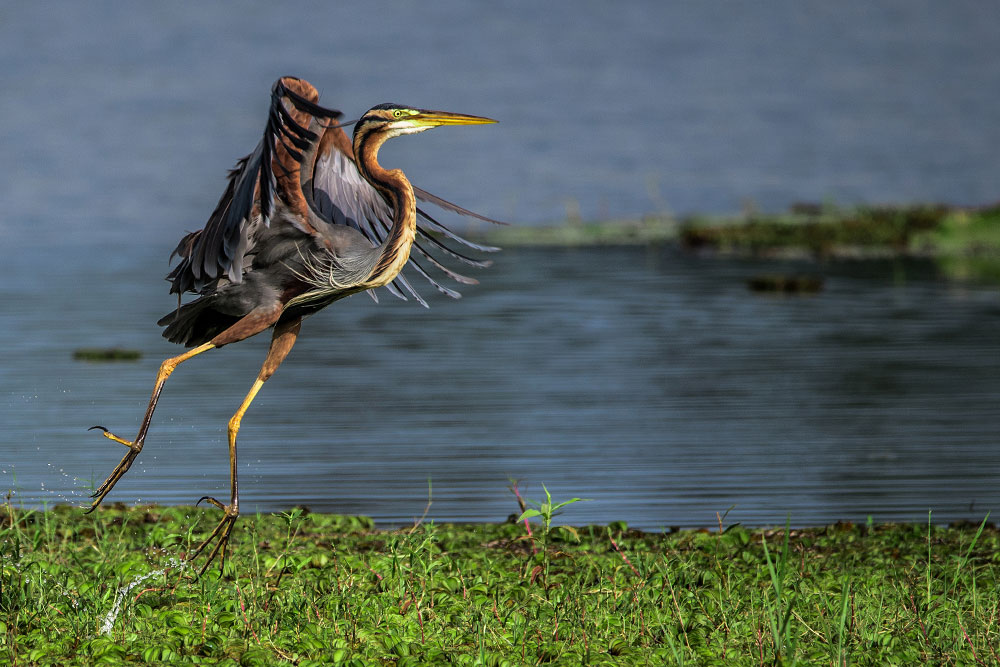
436,118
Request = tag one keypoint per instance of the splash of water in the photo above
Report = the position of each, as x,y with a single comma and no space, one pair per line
116,608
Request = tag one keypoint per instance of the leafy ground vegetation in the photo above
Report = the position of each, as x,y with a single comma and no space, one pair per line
313,589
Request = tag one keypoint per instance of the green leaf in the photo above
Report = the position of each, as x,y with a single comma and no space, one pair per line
527,514
569,502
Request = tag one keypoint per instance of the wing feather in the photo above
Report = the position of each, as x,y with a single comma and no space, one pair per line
423,195
335,192
342,196
402,281
248,200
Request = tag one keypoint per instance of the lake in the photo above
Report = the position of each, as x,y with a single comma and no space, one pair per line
650,381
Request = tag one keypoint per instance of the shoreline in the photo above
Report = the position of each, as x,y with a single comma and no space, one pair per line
366,524
950,234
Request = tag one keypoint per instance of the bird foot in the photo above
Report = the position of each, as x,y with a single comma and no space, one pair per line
220,535
133,451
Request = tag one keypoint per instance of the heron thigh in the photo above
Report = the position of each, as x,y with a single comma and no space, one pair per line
257,320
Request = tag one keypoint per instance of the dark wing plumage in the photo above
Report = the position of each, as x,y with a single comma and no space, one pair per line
218,249
337,194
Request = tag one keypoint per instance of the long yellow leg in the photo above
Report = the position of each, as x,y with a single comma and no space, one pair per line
281,344
253,323
135,446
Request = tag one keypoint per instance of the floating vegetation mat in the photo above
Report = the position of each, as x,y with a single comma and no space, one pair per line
99,354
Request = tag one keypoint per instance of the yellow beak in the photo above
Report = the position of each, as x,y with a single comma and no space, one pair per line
436,118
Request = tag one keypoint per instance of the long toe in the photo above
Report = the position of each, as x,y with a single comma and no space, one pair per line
213,501
111,436
219,536
118,472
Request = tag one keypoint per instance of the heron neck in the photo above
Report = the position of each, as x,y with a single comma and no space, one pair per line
395,250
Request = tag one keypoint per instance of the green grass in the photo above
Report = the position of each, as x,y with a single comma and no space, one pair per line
313,589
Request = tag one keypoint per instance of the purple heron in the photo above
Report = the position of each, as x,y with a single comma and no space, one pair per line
307,218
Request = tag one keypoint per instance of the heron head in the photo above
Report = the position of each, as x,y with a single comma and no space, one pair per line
397,119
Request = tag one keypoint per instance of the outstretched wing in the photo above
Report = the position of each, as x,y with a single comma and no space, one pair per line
218,249
341,196
333,190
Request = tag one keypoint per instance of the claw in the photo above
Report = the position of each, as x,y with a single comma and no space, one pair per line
221,536
211,500
135,446
111,436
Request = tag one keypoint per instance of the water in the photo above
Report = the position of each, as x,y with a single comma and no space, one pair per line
125,117
651,382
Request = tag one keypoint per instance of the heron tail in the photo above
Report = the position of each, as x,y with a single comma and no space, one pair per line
195,323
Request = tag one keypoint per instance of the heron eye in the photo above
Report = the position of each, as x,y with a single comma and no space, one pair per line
397,113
